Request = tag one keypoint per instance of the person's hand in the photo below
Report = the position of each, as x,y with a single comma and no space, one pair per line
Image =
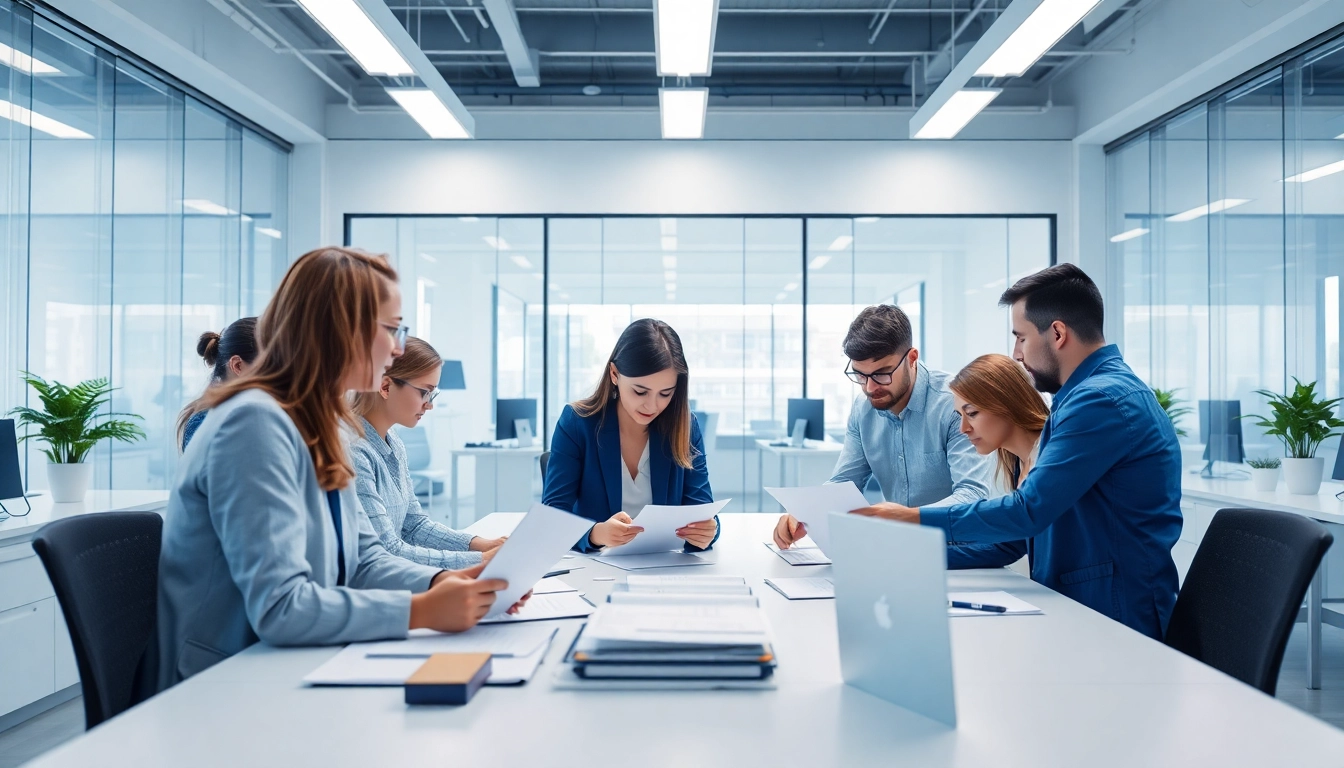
488,555
619,529
479,544
699,534
788,531
455,600
521,602
889,511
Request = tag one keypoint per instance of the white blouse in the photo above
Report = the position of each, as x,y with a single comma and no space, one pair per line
637,491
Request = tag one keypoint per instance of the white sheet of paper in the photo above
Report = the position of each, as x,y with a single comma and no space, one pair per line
804,589
498,641
1015,605
539,540
812,504
550,585
677,583
735,622
660,524
352,667
655,560
796,555
558,605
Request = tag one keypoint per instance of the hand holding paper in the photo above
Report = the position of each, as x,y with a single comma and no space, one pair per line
810,506
661,523
539,540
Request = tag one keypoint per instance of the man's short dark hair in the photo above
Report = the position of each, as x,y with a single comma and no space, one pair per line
1061,293
878,332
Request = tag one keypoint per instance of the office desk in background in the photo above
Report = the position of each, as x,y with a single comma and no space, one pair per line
812,465
503,480
1067,689
37,663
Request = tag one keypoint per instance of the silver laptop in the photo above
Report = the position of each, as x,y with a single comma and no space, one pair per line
891,610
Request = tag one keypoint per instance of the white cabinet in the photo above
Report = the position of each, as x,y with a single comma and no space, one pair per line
27,657
67,670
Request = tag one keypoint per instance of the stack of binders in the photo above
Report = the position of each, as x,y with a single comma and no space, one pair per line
676,628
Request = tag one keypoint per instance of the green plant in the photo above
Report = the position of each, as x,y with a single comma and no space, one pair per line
1300,420
66,421
1264,463
1172,405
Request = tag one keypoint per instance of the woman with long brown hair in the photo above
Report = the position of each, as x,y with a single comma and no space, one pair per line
1001,413
633,442
263,537
383,476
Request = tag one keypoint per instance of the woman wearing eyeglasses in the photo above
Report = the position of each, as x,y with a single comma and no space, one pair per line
383,478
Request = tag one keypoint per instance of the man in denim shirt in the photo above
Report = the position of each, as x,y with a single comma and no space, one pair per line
910,438
1100,511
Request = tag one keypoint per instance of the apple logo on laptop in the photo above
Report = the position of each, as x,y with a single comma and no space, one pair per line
882,612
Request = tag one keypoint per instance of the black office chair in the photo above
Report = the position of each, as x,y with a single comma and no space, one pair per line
545,459
1243,591
105,570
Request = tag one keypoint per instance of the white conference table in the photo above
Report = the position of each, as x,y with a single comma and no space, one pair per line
1070,688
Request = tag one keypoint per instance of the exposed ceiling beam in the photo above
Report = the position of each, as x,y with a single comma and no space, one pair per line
1104,10
522,59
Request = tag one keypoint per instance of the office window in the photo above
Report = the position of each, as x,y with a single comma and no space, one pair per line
750,297
124,208
1225,229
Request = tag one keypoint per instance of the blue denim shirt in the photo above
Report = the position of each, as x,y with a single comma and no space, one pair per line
919,456
1100,511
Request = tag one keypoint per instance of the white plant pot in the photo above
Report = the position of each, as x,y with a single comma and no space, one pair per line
1265,479
1304,475
69,482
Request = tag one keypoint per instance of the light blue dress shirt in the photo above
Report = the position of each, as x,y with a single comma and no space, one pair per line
919,456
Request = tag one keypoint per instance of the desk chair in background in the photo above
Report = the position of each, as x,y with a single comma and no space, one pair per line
1244,590
105,572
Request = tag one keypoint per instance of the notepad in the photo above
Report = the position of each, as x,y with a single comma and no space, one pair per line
653,560
354,667
1016,606
804,588
800,555
695,584
558,605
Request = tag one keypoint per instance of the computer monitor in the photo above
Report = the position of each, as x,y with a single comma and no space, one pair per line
1220,430
508,411
811,409
11,484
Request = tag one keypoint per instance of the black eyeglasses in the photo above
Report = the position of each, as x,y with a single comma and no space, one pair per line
398,334
427,395
881,378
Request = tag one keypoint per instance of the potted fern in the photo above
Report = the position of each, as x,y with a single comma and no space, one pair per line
1264,473
1301,421
1173,407
70,425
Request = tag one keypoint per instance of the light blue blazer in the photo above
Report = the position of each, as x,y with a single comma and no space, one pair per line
249,549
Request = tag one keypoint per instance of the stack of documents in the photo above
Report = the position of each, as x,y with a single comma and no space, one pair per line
676,628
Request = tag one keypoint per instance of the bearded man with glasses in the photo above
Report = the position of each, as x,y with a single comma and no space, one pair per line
908,434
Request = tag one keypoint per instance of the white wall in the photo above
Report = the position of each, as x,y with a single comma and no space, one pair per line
738,177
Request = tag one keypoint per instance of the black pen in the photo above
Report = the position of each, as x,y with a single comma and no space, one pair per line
977,606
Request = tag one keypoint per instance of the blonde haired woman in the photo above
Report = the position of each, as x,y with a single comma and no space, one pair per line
383,477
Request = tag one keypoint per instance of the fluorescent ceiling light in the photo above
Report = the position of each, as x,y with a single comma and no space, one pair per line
669,275
959,110
468,219
819,262
781,297
564,297
498,243
841,243
1046,25
1129,234
669,262
429,258
42,123
555,286
669,242
25,63
1317,173
684,36
426,109
791,287
345,21
1205,210
208,207
866,220
667,227
1340,136
683,112
521,261
671,287
269,232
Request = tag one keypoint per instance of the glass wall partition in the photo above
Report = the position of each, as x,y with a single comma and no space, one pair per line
761,305
135,216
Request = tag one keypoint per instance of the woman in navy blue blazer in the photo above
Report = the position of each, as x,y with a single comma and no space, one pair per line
633,442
